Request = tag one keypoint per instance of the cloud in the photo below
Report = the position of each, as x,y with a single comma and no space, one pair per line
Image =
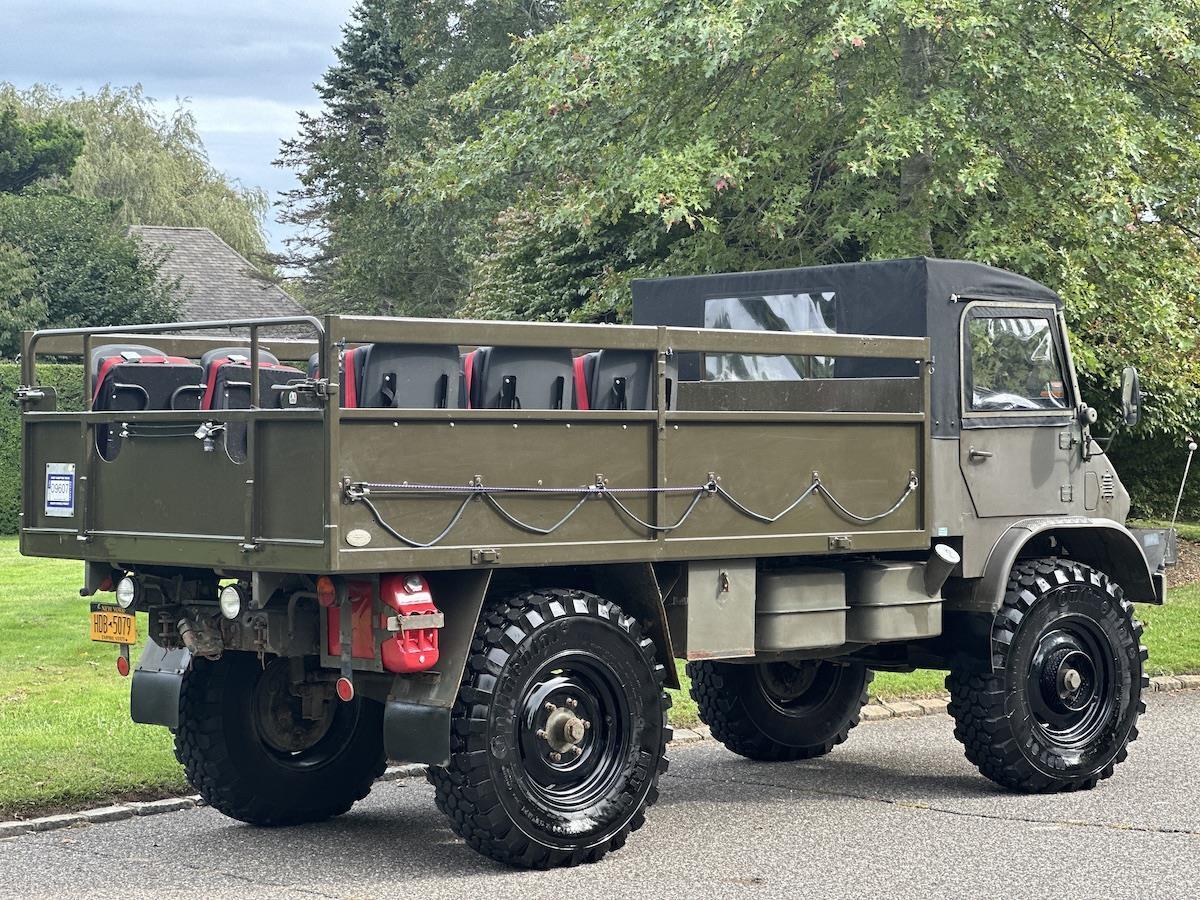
244,66
241,115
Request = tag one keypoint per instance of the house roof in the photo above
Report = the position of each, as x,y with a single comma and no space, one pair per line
216,282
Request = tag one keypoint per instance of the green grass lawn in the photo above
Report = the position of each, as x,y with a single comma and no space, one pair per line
65,735
1188,531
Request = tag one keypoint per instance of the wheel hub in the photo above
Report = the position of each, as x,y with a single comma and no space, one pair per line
1069,682
279,712
786,682
564,731
571,729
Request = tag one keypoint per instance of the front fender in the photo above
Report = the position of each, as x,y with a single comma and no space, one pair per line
1101,543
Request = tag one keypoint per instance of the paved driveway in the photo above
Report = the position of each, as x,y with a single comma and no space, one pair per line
896,811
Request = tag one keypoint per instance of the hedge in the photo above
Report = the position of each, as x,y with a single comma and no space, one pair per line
1150,467
67,380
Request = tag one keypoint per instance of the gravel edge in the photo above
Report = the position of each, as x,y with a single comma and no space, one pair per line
876,711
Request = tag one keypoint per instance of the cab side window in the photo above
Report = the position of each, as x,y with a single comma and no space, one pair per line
1014,365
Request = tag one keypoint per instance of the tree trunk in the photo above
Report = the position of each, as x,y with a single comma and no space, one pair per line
916,171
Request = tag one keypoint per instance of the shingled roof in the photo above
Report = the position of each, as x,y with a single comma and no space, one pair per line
216,282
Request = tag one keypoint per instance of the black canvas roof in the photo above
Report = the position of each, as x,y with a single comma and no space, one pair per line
913,297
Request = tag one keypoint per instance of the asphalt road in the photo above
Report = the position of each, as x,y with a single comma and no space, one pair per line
896,811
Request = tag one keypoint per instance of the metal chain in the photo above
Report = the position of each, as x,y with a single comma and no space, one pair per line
360,493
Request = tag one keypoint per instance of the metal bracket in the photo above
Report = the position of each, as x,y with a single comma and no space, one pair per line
26,395
484,556
841,542
416,622
1066,493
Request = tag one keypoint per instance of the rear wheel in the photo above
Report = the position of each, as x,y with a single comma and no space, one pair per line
559,733
779,710
251,751
1059,704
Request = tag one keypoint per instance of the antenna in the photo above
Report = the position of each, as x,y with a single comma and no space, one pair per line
1186,468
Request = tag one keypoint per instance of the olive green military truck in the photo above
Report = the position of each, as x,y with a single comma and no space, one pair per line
483,545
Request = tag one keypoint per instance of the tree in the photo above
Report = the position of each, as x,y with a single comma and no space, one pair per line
30,152
1055,140
64,263
22,303
388,95
151,167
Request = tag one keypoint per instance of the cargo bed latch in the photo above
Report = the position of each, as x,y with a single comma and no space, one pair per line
483,557
26,395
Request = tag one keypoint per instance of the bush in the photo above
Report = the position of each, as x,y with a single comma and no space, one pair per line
67,381
1150,469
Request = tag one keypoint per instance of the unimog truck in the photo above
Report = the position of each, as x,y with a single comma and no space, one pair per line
483,546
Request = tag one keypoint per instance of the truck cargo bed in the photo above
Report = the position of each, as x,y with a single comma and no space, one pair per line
332,489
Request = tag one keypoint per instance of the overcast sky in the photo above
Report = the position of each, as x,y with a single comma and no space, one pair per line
245,67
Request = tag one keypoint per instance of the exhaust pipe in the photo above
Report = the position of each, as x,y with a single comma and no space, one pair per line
942,561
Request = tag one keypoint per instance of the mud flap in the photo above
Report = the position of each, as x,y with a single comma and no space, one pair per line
416,733
157,681
416,718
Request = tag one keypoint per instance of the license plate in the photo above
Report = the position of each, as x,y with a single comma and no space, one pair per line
113,625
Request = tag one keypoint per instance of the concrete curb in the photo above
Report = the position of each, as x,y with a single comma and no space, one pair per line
877,710
873,712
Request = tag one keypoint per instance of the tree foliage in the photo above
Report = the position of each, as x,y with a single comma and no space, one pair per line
1056,140
64,263
151,166
32,151
398,65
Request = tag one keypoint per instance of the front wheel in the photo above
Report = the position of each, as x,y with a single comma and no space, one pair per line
258,750
1058,705
559,733
777,711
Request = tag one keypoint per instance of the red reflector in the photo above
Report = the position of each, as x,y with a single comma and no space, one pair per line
123,666
345,689
326,591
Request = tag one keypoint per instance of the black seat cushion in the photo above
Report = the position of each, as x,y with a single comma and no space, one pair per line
518,377
406,376
227,378
620,379
134,376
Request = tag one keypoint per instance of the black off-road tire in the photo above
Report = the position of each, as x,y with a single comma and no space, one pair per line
1009,729
235,771
545,650
750,716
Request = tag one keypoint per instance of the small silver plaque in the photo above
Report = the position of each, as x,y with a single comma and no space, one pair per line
358,537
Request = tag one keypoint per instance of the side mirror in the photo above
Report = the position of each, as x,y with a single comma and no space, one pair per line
1131,396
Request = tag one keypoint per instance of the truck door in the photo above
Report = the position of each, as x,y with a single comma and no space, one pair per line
1020,440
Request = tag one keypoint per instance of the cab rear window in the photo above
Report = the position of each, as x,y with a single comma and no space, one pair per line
811,312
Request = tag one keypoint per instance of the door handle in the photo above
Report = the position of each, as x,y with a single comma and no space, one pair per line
978,455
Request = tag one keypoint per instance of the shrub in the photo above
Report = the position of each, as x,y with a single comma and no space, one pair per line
67,381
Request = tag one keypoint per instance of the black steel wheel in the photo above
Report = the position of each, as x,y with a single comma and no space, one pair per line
1060,704
559,733
779,710
251,752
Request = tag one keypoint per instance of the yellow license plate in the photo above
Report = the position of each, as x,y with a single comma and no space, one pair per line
113,625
